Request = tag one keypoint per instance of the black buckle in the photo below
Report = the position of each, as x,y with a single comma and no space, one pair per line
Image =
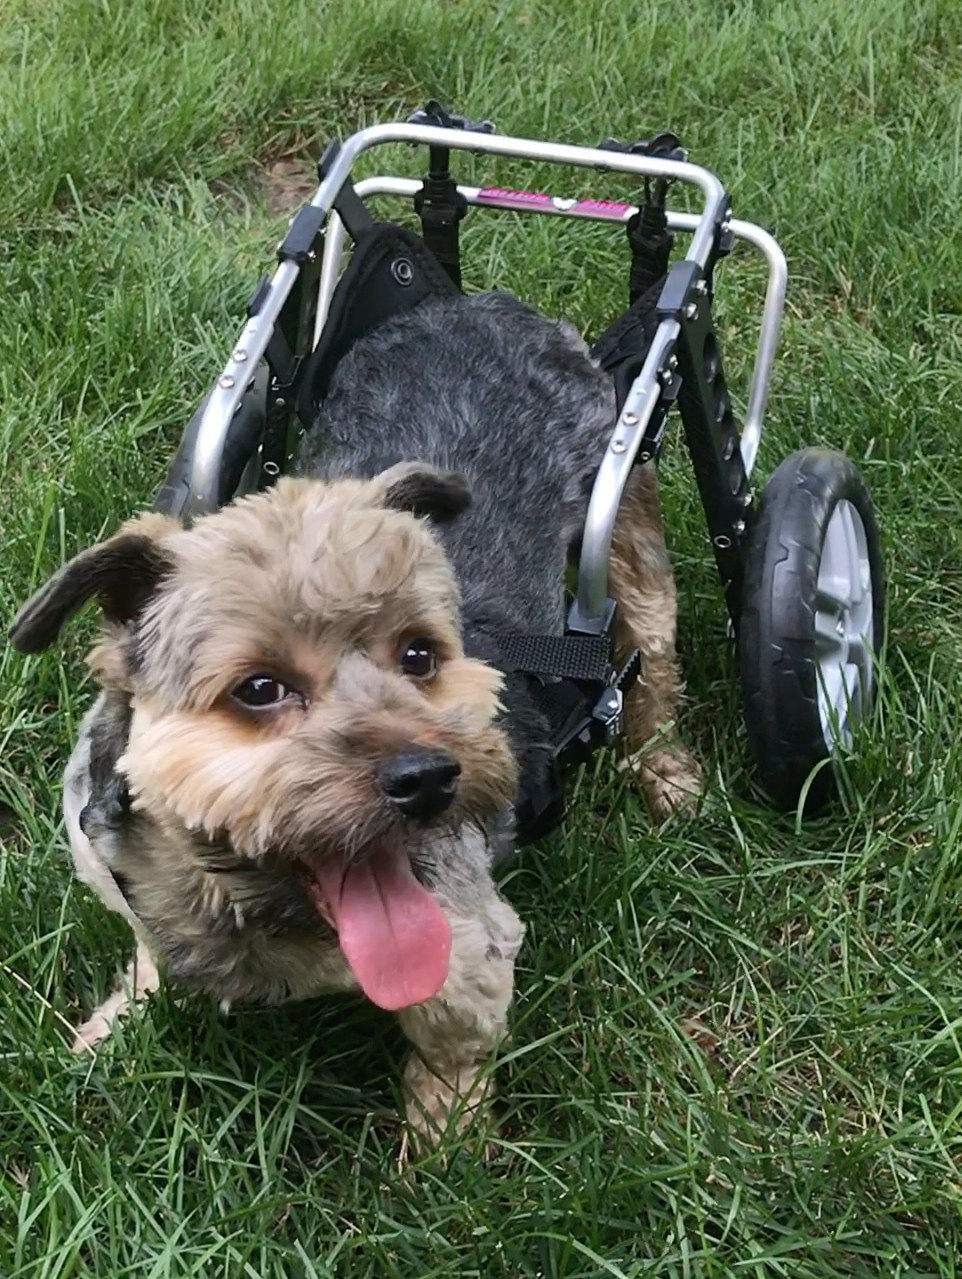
605,720
663,146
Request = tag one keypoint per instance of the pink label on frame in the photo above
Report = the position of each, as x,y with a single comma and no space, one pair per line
505,198
608,209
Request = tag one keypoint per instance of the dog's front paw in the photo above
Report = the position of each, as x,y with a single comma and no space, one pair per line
91,1033
438,1104
671,780
140,980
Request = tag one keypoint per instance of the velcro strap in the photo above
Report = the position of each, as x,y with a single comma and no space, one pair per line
623,347
581,657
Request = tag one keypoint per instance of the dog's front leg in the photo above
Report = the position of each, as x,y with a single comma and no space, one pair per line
140,980
448,1080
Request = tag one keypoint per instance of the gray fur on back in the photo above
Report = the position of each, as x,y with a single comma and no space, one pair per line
487,387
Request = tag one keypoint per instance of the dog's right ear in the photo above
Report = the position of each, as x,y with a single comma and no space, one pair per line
425,491
122,573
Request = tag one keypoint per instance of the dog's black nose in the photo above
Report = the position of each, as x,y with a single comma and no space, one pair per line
420,783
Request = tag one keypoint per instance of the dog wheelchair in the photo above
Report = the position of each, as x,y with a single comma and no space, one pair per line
801,569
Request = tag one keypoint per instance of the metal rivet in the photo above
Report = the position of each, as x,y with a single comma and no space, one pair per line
691,311
630,419
240,355
701,288
673,362
226,382
281,402
618,446
403,271
739,526
644,456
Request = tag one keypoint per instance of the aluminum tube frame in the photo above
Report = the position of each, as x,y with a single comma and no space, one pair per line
589,613
775,288
229,389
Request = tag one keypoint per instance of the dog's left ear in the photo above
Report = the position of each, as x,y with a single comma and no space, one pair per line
122,573
425,491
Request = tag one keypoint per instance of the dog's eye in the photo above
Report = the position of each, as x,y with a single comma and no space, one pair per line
419,659
261,691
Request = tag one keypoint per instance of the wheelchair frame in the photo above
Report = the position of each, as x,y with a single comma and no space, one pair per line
684,361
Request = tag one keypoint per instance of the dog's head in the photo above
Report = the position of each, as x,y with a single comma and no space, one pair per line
298,687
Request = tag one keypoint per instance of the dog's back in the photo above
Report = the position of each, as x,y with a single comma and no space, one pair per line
487,387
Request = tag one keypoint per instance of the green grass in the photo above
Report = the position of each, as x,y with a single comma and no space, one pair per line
736,1045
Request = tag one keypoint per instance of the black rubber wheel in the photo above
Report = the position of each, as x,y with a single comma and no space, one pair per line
812,621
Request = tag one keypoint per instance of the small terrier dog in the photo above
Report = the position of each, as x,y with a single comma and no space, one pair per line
301,766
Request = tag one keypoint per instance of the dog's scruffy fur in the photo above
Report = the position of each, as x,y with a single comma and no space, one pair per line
440,495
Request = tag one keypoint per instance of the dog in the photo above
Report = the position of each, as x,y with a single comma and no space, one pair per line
302,761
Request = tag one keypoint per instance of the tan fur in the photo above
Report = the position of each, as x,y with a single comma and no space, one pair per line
307,564
643,587
321,586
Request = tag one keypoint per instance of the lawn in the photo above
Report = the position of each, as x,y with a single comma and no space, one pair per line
736,1044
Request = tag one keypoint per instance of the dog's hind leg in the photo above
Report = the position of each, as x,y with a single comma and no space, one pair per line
140,980
448,1079
643,587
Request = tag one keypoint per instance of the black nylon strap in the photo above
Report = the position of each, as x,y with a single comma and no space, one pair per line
581,657
651,244
441,206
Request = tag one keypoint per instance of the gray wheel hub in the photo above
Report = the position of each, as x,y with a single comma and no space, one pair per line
843,625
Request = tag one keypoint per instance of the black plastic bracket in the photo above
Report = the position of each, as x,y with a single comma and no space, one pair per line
654,437
303,239
711,431
663,146
439,117
441,207
723,242
604,721
597,719
259,296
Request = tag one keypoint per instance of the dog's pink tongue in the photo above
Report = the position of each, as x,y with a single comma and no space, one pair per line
391,929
